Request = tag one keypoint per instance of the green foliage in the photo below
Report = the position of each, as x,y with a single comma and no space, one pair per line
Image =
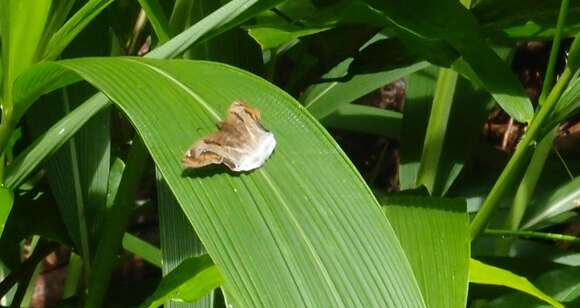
92,134
189,281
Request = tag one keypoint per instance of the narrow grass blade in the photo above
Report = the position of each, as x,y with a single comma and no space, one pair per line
436,131
158,19
69,182
116,221
52,140
61,39
142,249
365,119
6,201
226,17
322,99
448,142
419,97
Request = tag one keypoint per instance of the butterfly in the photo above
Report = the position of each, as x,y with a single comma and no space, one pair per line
241,143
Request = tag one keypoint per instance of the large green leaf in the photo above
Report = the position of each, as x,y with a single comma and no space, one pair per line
50,77
434,233
178,239
302,230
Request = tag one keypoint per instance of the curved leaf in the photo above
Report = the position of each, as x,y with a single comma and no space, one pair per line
274,37
486,274
302,230
562,284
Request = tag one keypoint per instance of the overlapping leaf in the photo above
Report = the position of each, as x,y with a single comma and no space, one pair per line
434,233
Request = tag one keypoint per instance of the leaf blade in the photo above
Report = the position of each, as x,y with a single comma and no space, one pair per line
434,233
482,273
189,281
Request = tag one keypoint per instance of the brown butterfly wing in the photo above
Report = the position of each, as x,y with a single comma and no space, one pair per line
236,138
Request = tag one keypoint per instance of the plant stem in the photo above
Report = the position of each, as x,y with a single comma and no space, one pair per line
116,223
73,274
526,188
549,77
137,30
6,124
534,170
533,234
520,158
271,69
530,180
